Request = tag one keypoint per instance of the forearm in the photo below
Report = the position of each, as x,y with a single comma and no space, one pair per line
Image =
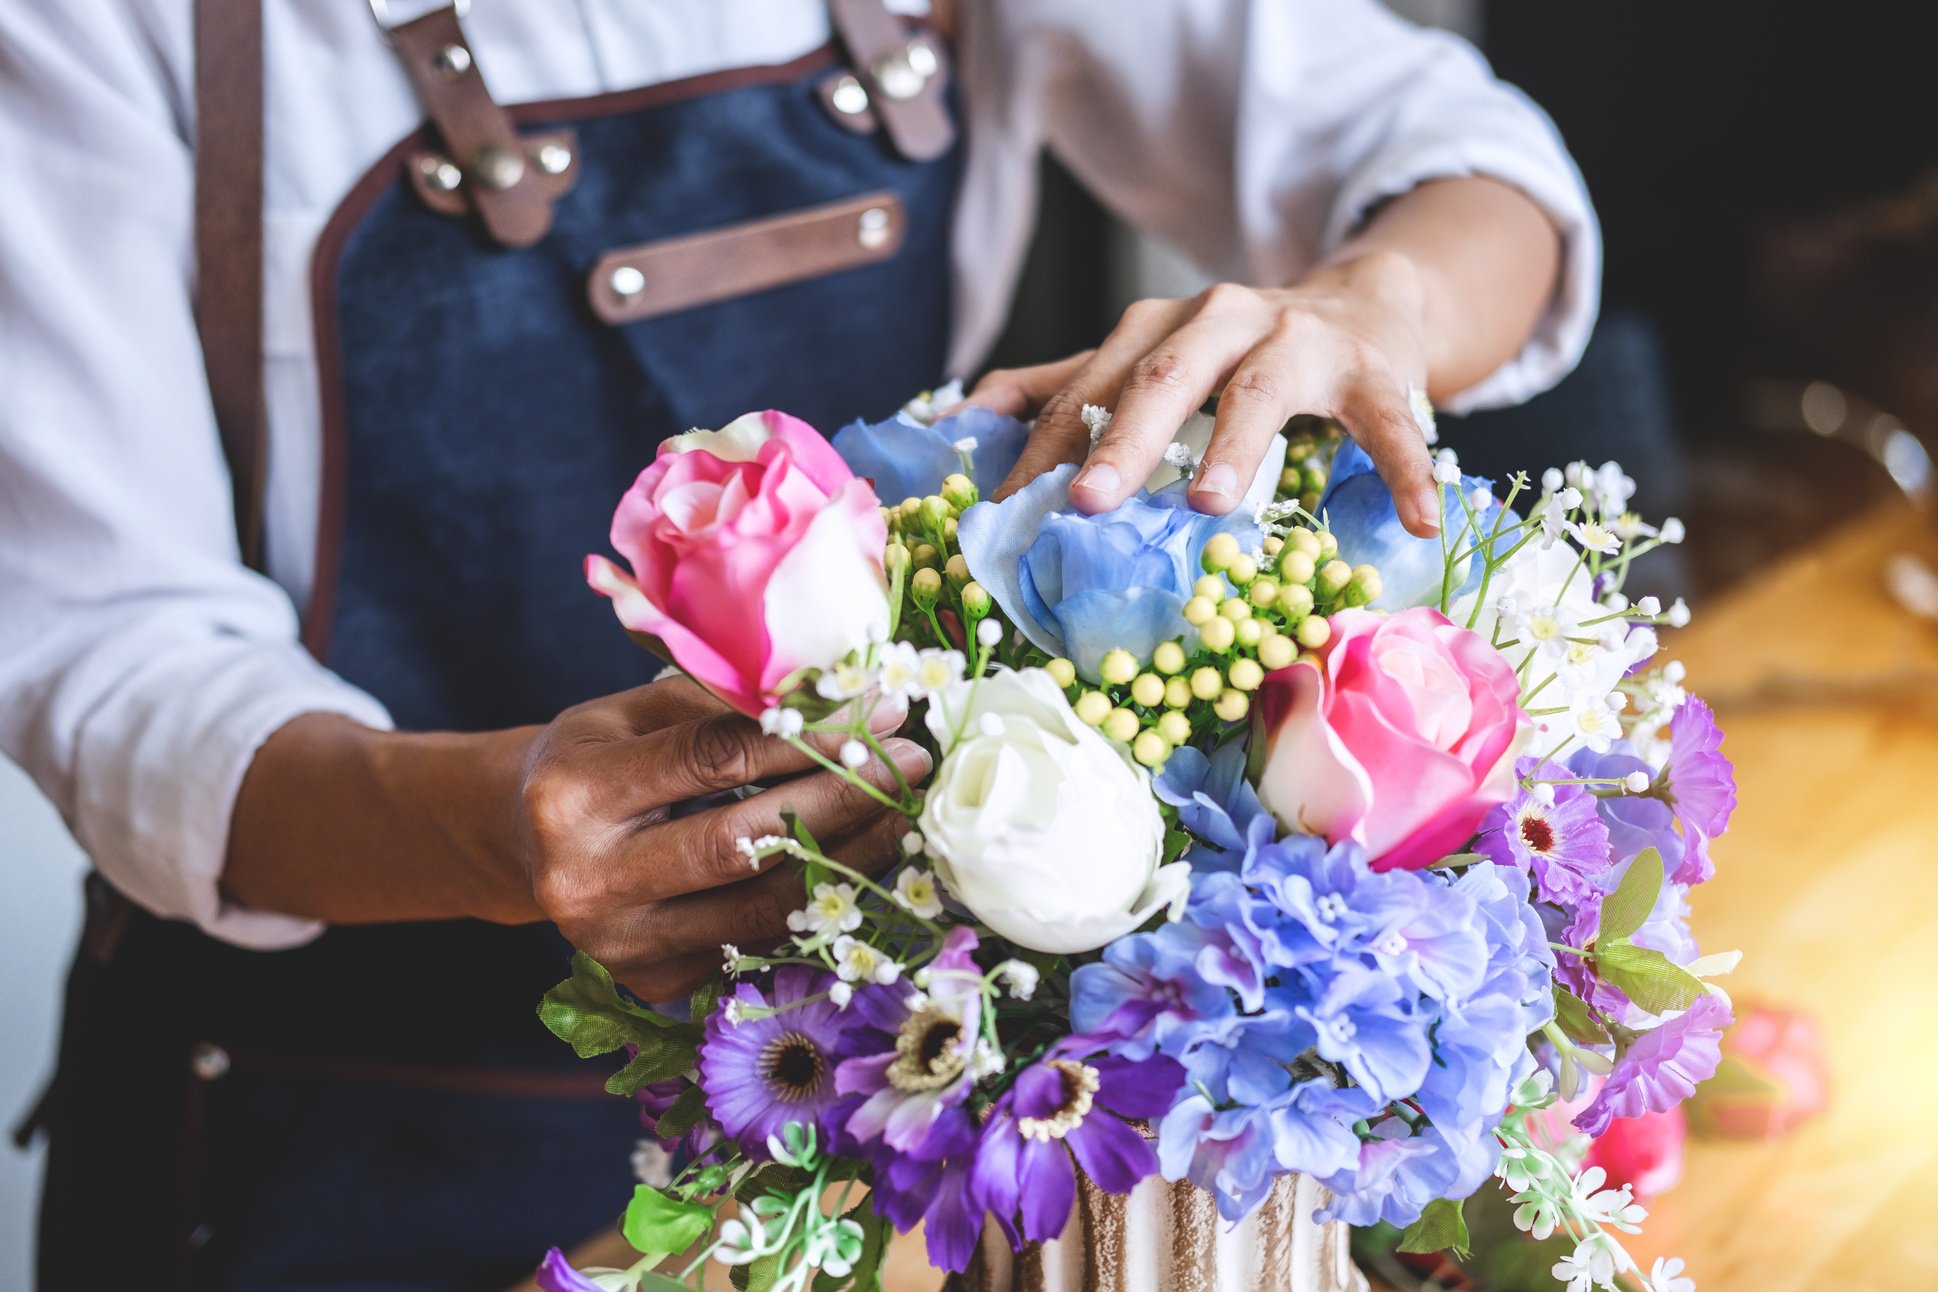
344,824
1481,259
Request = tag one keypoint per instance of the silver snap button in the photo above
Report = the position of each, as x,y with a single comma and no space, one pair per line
497,168
626,282
441,173
849,97
208,1062
874,228
451,62
895,75
922,58
554,158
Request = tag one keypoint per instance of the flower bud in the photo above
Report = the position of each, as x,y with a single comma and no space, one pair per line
1243,570
1063,671
1235,610
1210,587
1364,587
976,601
896,558
925,586
1148,690
934,511
1263,592
1333,578
1290,480
1305,542
1232,706
911,508
1273,545
1295,602
1206,683
958,491
1328,545
1168,658
1117,667
1177,694
1220,552
1093,707
1249,632
1245,674
949,529
926,556
1296,568
1150,749
1313,632
1174,727
1121,725
1218,633
1277,652
957,570
1199,610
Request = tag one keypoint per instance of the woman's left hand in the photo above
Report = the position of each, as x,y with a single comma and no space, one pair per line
1347,343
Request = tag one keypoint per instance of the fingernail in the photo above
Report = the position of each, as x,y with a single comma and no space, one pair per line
888,715
1099,477
1426,506
1219,480
910,757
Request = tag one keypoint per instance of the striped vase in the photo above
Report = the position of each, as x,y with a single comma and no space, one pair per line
1166,1237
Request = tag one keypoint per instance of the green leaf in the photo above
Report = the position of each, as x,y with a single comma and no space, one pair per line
1647,977
587,1012
660,1056
657,1223
1457,860
683,1114
1576,1020
701,1006
1441,1227
758,1277
1624,909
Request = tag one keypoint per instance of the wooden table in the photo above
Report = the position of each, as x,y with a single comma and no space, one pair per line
1828,882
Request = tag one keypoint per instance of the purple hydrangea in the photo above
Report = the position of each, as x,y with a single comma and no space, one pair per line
1558,837
1663,1066
776,1064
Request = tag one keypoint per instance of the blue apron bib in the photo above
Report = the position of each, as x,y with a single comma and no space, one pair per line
380,1111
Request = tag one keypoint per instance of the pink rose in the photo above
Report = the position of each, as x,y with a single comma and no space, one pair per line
755,553
1400,740
1642,1152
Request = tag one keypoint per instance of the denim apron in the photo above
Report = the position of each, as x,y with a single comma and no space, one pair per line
380,1110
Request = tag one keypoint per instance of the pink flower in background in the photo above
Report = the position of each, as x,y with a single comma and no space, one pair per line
1401,739
755,553
1773,1077
1643,1152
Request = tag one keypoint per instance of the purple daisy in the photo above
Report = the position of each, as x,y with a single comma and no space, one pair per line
913,1055
1663,1066
1701,784
1563,844
769,1069
1067,1106
934,1186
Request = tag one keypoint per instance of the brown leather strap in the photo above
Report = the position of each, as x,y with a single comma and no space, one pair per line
228,246
903,74
509,192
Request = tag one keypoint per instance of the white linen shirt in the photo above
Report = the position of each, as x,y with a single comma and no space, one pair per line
142,666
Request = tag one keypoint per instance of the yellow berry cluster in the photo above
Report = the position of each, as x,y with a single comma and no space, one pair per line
926,566
1251,614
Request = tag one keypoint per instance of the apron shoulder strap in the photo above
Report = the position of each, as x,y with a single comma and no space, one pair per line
228,246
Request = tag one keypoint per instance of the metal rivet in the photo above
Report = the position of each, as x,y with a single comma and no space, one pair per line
451,62
626,282
498,168
874,228
849,97
554,158
208,1062
897,77
441,173
922,57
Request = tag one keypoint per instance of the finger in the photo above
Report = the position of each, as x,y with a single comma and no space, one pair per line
703,851
1378,417
1263,391
1060,434
1160,392
1020,392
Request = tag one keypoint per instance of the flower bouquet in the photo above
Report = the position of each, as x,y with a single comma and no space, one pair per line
1264,848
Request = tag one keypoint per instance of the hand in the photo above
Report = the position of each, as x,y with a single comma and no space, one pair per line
652,896
1347,343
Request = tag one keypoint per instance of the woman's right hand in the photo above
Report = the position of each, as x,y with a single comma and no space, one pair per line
573,822
652,895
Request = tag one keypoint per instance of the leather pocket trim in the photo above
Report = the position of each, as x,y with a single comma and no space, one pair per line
680,273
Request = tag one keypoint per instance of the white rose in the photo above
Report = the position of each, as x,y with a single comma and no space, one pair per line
1043,828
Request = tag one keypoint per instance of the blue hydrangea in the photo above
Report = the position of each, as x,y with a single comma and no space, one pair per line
1358,509
909,458
1360,1028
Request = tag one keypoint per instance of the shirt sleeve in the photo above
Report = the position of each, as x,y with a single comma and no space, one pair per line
141,665
1257,135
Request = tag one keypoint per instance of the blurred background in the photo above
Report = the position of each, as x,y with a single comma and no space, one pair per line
1766,364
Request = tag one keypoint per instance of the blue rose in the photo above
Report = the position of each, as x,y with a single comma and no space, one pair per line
1077,585
909,458
1358,508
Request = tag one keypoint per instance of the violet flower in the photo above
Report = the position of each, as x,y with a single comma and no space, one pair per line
1701,784
1062,1107
555,1274
1663,1066
934,1186
767,1070
1563,844
654,1100
915,1054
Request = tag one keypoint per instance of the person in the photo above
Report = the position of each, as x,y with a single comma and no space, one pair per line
354,802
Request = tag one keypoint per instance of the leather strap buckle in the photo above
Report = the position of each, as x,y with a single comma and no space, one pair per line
898,79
